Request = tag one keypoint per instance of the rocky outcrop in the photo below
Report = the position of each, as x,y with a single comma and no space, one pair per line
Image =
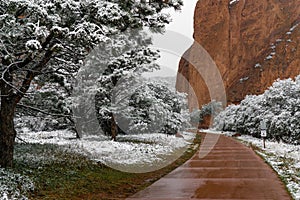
251,42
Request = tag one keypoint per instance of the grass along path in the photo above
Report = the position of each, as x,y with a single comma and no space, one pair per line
65,175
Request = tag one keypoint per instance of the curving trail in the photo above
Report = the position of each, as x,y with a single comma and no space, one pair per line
230,171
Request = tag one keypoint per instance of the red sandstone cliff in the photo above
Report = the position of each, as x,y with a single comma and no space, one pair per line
252,42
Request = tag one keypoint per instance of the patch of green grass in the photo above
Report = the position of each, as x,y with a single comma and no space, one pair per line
135,141
59,174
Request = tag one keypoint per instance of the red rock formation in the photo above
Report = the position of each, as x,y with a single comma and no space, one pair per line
252,43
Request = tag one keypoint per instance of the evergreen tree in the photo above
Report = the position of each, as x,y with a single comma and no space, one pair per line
54,36
46,106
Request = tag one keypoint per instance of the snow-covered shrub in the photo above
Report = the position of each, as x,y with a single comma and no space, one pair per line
152,107
249,114
210,109
225,121
279,126
202,118
279,107
149,107
14,186
195,116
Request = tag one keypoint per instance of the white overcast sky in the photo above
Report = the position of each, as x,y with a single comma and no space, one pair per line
183,21
178,38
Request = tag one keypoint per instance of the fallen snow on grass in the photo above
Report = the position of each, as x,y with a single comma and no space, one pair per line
217,132
284,158
14,186
151,151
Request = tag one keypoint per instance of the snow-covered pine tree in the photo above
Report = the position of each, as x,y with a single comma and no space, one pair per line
54,36
123,57
46,105
128,63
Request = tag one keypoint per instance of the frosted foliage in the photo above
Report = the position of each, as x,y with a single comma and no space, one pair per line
54,37
33,45
39,36
14,186
211,109
225,119
279,106
152,107
110,68
51,98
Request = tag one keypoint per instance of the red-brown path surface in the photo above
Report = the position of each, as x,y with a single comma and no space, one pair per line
229,171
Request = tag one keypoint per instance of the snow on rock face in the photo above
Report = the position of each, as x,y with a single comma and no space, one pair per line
294,27
237,34
233,2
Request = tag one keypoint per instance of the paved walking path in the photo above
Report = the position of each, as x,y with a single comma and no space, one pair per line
229,171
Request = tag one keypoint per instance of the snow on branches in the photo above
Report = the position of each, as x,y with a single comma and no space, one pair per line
44,37
53,36
150,107
279,106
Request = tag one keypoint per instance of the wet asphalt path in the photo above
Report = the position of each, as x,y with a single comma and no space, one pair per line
229,170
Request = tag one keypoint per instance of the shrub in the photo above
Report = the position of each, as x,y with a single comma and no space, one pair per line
279,106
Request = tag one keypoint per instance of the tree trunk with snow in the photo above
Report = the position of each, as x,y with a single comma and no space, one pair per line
7,134
44,43
7,130
10,97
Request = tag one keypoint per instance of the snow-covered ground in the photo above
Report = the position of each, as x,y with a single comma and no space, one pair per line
14,186
284,158
131,153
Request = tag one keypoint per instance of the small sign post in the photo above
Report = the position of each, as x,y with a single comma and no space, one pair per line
263,131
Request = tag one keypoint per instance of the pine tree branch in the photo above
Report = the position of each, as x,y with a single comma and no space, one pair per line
42,111
22,140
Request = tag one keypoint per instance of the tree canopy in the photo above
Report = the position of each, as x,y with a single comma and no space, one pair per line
39,37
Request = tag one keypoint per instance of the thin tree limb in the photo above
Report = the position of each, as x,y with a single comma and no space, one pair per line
42,111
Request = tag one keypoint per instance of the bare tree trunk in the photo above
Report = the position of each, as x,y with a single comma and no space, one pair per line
78,128
114,129
7,131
